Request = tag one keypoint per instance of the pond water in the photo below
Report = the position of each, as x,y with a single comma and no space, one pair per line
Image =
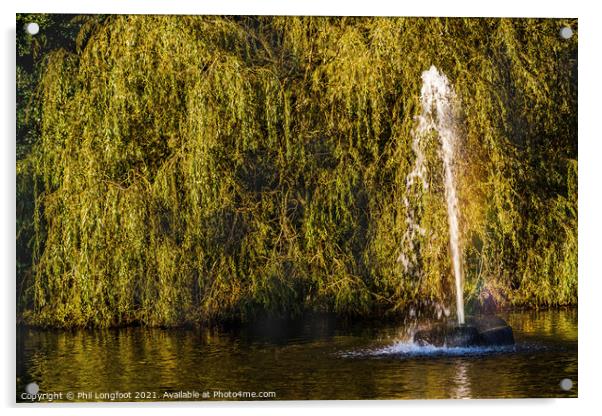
317,358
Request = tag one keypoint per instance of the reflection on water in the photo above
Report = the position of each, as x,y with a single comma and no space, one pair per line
314,359
461,381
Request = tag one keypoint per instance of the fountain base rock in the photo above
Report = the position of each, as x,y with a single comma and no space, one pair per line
482,331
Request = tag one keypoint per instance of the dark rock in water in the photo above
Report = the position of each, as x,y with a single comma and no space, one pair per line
483,331
493,330
449,336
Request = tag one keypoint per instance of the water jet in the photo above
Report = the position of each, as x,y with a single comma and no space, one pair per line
439,115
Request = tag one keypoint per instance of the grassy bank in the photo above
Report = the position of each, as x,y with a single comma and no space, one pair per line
195,169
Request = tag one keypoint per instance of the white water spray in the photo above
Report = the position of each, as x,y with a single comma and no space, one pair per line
438,114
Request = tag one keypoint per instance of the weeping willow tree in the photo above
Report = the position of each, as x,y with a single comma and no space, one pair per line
201,169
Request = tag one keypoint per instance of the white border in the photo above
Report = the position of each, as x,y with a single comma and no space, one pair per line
590,179
463,8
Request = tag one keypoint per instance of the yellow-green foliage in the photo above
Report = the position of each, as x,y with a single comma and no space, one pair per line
193,169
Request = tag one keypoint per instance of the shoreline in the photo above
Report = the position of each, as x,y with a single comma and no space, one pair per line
304,317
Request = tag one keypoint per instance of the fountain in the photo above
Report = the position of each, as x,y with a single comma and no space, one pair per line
439,115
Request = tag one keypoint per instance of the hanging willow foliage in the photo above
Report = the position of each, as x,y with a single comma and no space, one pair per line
197,169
